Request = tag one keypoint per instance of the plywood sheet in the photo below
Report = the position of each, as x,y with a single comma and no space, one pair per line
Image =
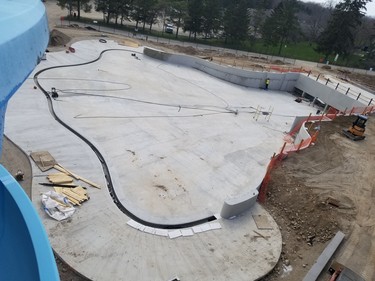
262,222
43,159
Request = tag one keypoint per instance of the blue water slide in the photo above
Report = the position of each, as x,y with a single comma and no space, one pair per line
25,252
24,37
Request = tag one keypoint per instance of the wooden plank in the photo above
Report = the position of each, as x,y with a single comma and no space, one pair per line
62,169
72,200
58,189
80,191
59,177
73,195
60,180
90,183
262,222
43,159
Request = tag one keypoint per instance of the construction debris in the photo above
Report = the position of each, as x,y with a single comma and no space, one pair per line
57,206
262,222
43,159
334,202
19,175
77,177
76,196
60,178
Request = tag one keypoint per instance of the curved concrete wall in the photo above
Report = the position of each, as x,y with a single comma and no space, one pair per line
247,78
234,206
279,81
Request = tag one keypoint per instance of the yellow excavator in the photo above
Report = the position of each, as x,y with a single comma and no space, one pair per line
357,130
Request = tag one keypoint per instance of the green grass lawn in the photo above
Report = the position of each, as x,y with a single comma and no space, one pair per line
301,50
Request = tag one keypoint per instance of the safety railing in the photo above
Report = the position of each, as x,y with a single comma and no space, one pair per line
348,91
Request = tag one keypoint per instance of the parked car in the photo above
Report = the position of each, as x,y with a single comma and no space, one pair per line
169,28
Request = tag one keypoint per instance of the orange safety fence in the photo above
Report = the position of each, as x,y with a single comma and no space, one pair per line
323,117
289,146
360,110
333,110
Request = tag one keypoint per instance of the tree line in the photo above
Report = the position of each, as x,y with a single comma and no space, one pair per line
333,30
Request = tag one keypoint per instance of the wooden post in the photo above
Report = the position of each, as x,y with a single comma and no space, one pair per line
312,124
314,137
321,118
351,111
281,152
307,120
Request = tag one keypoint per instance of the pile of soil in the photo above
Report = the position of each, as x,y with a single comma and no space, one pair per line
58,38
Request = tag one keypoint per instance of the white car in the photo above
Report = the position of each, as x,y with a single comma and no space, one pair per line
169,28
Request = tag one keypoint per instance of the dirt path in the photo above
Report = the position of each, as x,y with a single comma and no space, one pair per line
14,160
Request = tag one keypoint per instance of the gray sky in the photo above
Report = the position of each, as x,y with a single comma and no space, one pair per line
370,6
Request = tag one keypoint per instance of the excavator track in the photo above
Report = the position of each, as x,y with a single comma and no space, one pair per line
349,135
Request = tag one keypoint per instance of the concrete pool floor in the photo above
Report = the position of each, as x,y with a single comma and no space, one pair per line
177,142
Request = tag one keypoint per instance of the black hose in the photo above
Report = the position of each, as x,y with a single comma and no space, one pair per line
106,172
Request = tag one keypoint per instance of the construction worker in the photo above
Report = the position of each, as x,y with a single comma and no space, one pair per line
267,83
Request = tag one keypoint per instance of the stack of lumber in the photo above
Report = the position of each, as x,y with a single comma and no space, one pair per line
76,195
63,184
60,178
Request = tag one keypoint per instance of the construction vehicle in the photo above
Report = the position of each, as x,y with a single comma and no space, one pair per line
357,130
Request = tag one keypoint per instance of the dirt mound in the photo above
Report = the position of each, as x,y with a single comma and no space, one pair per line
189,50
57,38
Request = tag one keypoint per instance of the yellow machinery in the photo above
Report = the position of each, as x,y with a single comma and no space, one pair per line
357,130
